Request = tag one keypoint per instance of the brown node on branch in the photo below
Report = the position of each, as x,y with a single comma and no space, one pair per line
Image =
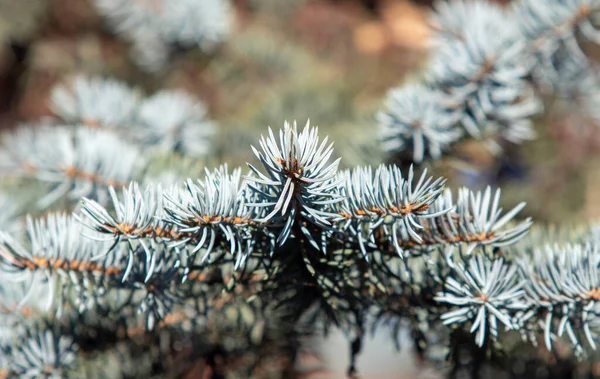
427,240
74,172
92,123
232,220
594,294
486,69
584,12
126,229
61,264
295,172
410,208
403,210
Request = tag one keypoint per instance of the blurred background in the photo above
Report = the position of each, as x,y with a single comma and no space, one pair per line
329,61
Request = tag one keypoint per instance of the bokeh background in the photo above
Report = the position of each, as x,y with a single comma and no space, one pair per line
328,61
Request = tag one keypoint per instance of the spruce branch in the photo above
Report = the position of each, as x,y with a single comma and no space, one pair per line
205,214
171,121
216,207
9,214
17,314
562,284
77,163
155,29
483,66
555,23
485,293
299,180
40,354
95,102
476,221
59,255
210,258
174,121
387,202
420,119
488,67
173,248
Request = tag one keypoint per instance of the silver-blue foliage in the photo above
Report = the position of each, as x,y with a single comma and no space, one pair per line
555,23
202,216
136,220
150,253
95,102
154,27
76,162
483,292
57,257
167,120
564,283
43,354
481,220
493,63
173,121
420,119
484,67
14,313
553,30
389,202
9,212
299,179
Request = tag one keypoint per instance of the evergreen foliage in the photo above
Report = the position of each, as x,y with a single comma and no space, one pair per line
240,263
155,28
489,70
